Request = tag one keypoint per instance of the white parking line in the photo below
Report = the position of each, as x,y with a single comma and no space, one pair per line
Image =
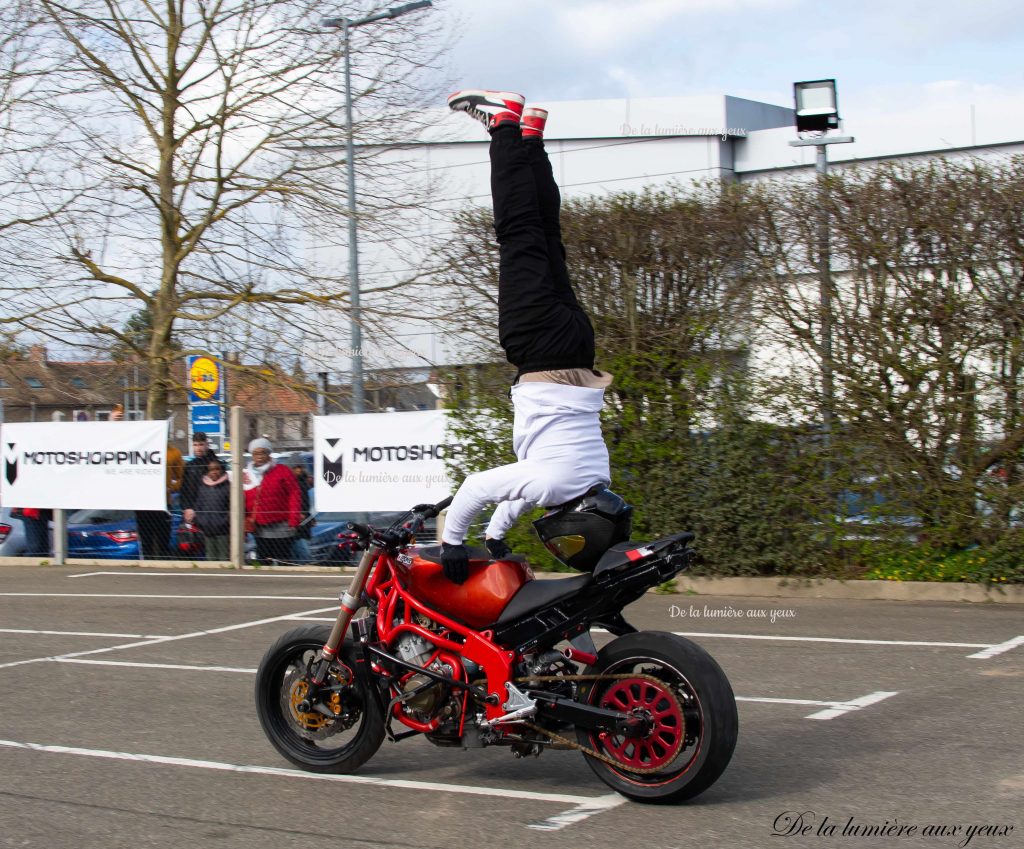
324,576
837,708
579,813
189,597
834,708
852,705
989,649
583,806
158,640
82,634
141,665
992,651
833,640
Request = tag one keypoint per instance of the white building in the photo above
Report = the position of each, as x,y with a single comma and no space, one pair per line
612,146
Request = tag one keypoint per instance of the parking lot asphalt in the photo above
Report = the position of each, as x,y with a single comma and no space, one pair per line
127,719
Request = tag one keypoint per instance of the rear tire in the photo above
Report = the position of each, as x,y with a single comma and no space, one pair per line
314,741
694,715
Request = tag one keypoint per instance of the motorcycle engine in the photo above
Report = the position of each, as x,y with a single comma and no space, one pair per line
413,649
418,651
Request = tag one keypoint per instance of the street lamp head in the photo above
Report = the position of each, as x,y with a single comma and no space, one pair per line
817,109
409,7
396,12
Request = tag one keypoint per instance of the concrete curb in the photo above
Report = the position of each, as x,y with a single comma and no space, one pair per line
864,590
770,587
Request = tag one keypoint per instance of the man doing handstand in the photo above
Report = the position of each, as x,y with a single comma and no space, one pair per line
546,335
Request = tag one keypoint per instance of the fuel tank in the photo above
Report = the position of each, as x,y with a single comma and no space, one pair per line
480,600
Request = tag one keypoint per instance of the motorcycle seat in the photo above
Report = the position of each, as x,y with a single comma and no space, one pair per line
623,553
536,594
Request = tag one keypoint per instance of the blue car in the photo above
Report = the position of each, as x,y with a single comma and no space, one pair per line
98,532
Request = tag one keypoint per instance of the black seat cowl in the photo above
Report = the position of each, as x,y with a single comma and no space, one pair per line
536,594
623,553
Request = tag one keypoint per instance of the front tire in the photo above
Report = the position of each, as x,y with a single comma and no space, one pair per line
312,740
694,724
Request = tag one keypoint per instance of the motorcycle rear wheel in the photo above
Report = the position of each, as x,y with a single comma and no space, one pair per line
691,707
312,740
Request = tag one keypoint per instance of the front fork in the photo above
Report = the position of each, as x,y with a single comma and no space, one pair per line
349,604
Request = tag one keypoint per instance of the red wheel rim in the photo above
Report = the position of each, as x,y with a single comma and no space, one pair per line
655,701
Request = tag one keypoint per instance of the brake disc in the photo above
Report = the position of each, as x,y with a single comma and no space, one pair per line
313,724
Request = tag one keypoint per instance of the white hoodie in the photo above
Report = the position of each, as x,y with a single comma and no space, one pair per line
556,435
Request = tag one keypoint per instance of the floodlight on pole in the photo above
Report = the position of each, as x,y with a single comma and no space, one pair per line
817,112
817,108
356,353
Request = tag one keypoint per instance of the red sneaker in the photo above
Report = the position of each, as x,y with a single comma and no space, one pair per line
489,107
533,123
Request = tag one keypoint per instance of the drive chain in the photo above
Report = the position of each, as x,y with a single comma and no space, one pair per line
573,744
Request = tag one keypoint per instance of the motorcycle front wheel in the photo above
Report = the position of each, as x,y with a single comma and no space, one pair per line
342,735
689,704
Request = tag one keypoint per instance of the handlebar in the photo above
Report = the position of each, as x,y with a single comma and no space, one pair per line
403,530
431,512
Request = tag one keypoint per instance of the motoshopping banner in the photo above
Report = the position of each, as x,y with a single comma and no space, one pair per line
381,461
71,465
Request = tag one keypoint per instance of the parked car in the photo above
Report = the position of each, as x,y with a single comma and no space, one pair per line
98,532
12,534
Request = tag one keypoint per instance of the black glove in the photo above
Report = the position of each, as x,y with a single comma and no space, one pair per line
455,562
498,548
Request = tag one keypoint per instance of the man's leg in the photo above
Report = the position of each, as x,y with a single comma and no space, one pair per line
37,537
549,203
144,528
540,325
525,287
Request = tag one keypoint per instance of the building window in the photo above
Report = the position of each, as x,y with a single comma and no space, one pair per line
78,383
304,427
103,415
34,382
253,427
4,384
279,427
79,416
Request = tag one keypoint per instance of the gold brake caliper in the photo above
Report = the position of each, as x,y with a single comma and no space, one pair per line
313,720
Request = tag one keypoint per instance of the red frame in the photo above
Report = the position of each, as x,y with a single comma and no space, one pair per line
385,587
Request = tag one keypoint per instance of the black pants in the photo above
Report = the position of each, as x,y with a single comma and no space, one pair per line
154,527
541,325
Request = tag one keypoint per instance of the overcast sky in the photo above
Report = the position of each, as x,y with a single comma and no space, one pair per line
880,51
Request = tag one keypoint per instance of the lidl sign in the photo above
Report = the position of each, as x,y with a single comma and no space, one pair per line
204,380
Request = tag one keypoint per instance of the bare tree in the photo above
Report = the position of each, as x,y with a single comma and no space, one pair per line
209,186
926,327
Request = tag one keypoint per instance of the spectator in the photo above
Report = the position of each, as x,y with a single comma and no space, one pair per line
155,525
272,502
117,413
211,511
195,469
304,532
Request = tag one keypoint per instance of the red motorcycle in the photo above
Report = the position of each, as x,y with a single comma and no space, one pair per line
503,659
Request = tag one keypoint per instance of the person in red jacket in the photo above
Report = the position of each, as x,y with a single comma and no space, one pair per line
273,503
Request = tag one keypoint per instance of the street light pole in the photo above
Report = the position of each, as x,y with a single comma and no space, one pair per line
356,332
824,278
